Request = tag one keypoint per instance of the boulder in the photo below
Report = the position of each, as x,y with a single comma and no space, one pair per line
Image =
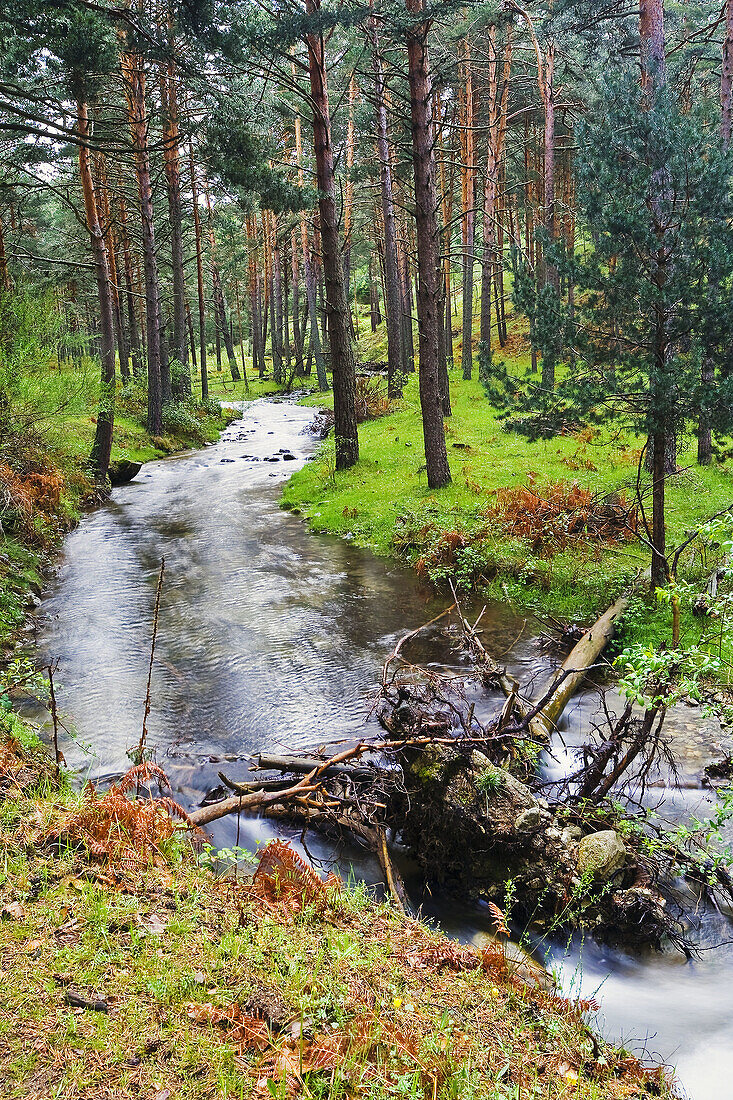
528,819
123,470
601,855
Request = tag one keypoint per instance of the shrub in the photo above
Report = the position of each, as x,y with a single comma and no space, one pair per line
563,513
179,418
371,400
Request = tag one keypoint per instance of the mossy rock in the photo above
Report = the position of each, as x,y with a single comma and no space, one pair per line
123,471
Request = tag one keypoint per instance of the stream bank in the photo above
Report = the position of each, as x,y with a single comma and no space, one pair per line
271,638
148,976
45,489
546,524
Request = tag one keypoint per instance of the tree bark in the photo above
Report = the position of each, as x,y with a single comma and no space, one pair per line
310,281
199,275
220,314
343,361
469,213
105,210
134,71
172,168
6,282
550,269
349,190
295,279
498,96
726,77
428,250
102,445
391,272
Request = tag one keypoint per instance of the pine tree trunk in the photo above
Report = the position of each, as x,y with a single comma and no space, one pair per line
284,308
707,374
403,267
277,315
551,276
135,88
469,215
704,432
191,336
199,275
349,190
6,282
240,338
343,361
428,250
726,77
220,315
315,346
258,363
104,206
172,168
392,304
498,95
661,437
102,445
295,278
446,191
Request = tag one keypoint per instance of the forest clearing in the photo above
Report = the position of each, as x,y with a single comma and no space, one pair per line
366,550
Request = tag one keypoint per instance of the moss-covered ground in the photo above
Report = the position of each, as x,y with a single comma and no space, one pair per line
206,987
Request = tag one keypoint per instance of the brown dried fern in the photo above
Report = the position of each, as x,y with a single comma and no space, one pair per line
123,831
284,878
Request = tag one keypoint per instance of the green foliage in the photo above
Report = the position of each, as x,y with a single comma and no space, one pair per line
649,173
241,157
86,48
490,780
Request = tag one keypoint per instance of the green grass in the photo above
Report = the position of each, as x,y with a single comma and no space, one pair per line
178,954
384,502
221,383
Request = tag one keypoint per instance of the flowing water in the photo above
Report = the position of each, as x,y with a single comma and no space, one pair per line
273,638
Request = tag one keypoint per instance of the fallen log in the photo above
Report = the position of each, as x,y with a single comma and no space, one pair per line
543,712
249,802
255,785
564,683
304,764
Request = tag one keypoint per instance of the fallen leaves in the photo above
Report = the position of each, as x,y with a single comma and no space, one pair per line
13,910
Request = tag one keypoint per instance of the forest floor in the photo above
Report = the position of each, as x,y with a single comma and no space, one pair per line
149,976
47,485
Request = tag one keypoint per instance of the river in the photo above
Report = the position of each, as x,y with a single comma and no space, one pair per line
270,638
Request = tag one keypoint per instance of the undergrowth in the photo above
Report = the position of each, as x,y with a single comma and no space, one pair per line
548,525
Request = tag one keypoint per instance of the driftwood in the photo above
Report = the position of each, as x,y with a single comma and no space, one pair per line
579,662
543,713
449,786
256,801
305,764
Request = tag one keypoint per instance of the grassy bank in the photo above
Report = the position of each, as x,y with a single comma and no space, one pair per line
138,972
481,530
384,502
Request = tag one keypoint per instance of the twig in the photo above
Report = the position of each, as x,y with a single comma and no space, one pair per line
144,732
58,755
